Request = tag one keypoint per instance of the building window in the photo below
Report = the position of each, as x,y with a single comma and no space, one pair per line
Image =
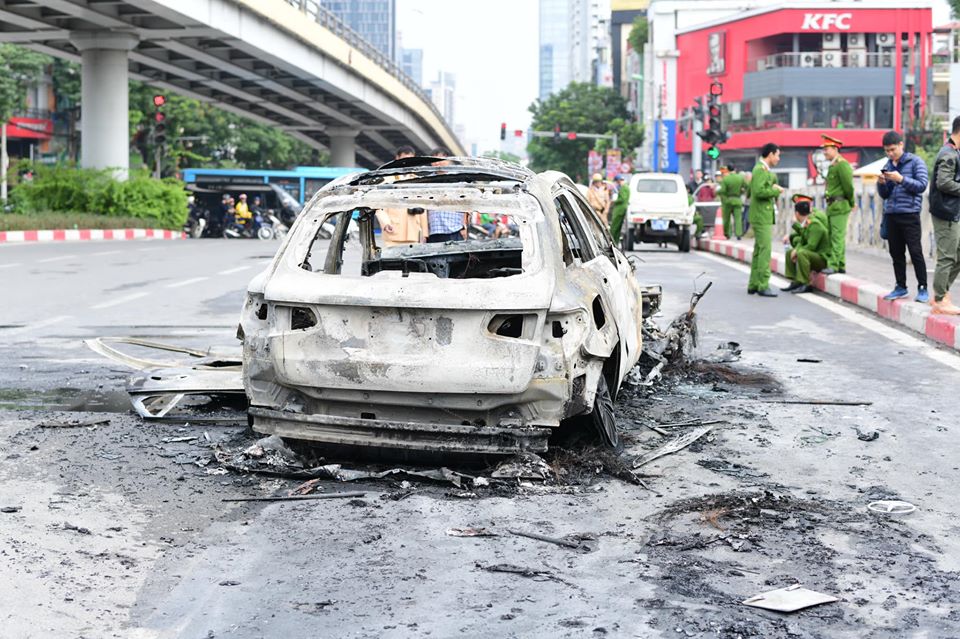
832,113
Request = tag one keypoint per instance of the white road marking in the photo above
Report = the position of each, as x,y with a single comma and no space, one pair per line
105,253
55,259
860,319
9,265
36,325
192,280
144,250
231,271
120,300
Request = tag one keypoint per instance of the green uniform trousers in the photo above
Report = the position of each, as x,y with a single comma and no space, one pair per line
697,224
838,214
947,235
616,222
807,261
760,266
732,210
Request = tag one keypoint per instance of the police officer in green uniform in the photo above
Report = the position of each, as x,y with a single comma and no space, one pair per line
619,209
764,191
840,201
809,244
732,187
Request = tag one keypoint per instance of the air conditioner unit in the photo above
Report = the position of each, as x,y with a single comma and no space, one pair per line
831,59
885,40
831,40
761,64
886,59
856,41
808,59
856,59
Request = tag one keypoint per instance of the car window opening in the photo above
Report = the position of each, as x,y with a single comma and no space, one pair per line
655,186
492,247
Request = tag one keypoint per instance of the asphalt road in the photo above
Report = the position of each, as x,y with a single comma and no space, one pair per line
775,495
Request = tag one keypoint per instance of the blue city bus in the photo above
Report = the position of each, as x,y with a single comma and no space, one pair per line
301,183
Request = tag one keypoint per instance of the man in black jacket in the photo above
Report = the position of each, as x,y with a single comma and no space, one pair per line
945,213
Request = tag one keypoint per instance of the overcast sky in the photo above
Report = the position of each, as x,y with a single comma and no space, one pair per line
491,46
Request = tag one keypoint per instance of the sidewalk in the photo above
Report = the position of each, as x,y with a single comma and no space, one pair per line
860,286
77,235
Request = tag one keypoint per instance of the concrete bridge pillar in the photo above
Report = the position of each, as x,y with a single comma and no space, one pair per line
105,98
343,147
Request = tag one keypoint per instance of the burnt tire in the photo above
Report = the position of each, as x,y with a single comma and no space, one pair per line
684,243
603,418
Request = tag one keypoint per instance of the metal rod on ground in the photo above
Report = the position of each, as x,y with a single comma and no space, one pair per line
298,497
815,402
692,424
539,537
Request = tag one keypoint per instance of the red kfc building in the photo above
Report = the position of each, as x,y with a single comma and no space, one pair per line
792,72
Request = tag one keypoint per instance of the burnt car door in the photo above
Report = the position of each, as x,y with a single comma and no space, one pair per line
620,292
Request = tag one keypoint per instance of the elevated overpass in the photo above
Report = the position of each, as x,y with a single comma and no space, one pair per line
285,63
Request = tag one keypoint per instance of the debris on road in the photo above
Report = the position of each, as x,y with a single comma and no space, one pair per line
672,446
817,402
726,353
471,532
161,385
891,507
789,599
523,466
306,487
867,437
77,529
693,424
808,360
10,509
298,497
75,423
551,540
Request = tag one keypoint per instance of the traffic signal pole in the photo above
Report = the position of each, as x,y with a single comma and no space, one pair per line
696,159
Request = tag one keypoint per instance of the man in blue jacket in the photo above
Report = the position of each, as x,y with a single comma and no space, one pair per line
902,183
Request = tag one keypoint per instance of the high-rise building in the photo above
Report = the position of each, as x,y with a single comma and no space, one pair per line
374,20
442,92
411,63
554,46
574,44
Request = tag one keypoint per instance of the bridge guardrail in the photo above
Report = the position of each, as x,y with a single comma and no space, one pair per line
327,19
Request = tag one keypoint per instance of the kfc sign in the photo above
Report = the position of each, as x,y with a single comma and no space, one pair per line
826,21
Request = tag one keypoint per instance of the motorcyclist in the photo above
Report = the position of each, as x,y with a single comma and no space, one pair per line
242,214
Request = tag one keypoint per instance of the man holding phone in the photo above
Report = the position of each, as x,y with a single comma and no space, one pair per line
902,183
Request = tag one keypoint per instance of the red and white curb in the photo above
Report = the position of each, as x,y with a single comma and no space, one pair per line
944,329
79,235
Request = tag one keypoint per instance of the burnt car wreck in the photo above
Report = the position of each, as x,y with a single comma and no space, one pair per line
486,345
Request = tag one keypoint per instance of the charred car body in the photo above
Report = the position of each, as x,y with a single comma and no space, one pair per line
474,346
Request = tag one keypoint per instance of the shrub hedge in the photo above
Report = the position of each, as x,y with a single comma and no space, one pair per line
63,189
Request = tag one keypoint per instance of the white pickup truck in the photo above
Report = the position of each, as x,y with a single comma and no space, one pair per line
658,212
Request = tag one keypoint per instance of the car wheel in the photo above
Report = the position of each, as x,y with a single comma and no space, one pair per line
603,418
684,243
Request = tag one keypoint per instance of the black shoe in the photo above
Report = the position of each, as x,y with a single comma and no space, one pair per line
843,270
766,293
793,286
751,291
803,288
828,271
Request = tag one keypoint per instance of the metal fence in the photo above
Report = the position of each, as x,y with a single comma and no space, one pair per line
863,229
328,20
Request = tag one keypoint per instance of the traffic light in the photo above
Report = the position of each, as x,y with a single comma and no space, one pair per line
503,131
713,153
698,108
159,128
159,100
556,132
714,122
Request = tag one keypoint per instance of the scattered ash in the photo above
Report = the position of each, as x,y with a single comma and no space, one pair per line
711,552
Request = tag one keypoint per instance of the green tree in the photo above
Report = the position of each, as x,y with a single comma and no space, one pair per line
19,67
583,108
640,30
200,134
